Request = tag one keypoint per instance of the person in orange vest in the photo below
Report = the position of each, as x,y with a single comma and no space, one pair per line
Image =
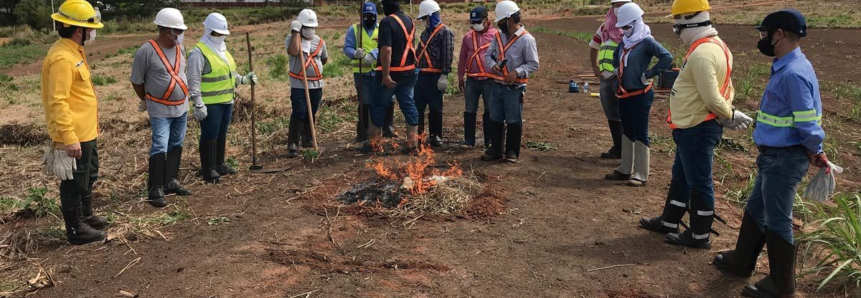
473,78
436,52
304,41
631,62
158,78
71,115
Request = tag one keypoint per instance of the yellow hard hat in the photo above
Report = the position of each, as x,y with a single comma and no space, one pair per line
689,6
79,13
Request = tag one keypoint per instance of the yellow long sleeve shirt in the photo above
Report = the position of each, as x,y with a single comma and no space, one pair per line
68,94
697,89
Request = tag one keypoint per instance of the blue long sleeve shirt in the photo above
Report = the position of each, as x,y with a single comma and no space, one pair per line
639,58
350,43
791,108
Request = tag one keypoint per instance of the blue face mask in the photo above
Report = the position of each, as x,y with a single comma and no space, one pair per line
434,20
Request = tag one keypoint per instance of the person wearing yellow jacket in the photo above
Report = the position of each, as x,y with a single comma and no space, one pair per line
71,114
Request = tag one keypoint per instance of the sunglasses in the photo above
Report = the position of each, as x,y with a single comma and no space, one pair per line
476,22
627,27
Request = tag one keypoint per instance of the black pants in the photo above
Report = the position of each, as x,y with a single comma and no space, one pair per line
83,178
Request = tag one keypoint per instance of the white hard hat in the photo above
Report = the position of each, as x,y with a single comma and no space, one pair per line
217,23
170,18
620,1
307,18
505,9
427,8
628,13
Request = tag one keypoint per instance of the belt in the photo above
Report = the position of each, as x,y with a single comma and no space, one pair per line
764,149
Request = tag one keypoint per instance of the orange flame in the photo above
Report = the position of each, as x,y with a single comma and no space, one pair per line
419,169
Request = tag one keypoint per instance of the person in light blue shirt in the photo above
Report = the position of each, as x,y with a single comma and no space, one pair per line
789,136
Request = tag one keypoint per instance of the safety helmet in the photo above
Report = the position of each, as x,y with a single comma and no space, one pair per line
505,9
217,23
427,8
170,18
628,13
79,13
689,6
620,1
308,18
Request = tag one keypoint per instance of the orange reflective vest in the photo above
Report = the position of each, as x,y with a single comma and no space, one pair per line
309,62
424,52
481,73
175,80
622,93
727,80
501,57
411,48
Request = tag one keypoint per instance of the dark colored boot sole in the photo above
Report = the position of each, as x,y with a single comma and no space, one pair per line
724,265
655,225
91,237
676,239
608,155
97,223
616,176
158,203
487,157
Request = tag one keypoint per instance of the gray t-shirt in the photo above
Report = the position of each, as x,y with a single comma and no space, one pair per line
149,70
296,63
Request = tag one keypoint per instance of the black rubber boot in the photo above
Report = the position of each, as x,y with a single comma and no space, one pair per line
702,216
780,281
222,167
435,125
615,152
293,132
78,232
421,127
512,142
485,127
88,217
742,260
171,173
388,122
155,185
672,215
469,129
207,162
362,125
496,132
307,138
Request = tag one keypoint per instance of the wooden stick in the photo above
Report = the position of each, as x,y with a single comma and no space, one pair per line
253,108
308,96
608,267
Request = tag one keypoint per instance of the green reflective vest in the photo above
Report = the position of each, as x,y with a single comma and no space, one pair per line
605,56
369,43
217,85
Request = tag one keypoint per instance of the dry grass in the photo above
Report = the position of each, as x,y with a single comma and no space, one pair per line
446,199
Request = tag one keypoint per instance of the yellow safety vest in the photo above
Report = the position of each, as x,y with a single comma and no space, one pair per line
605,56
217,85
369,43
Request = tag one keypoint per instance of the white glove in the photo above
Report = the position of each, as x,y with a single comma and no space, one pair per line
644,80
369,59
360,53
142,105
248,78
199,112
442,83
295,26
58,163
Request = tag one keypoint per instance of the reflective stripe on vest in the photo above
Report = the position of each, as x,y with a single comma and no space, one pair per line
622,93
424,52
318,75
217,85
501,57
175,80
724,89
481,73
411,48
605,56
368,43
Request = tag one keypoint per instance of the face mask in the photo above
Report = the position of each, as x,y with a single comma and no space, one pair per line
478,27
765,46
628,32
503,26
180,38
91,37
217,41
369,23
616,11
308,33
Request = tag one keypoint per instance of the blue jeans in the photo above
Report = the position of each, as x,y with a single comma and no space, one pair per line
167,133
367,82
472,90
634,111
217,121
770,202
506,105
382,97
692,169
300,108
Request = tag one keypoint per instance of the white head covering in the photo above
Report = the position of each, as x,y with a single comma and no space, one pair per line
690,35
641,31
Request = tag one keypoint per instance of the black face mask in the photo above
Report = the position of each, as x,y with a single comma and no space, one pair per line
503,26
390,7
765,46
369,23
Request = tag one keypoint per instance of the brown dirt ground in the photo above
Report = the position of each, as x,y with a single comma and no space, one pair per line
559,220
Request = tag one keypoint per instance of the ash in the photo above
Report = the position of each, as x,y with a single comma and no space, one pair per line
375,192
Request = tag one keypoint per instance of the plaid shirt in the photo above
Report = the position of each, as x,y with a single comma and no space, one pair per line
440,49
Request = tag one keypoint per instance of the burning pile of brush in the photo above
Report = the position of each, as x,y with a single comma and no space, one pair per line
415,187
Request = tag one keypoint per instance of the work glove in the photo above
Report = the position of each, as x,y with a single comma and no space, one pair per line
142,105
359,54
644,80
248,78
58,163
739,121
823,184
296,26
200,112
369,59
442,83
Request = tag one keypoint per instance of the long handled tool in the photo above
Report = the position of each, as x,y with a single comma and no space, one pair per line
254,165
308,99
361,26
